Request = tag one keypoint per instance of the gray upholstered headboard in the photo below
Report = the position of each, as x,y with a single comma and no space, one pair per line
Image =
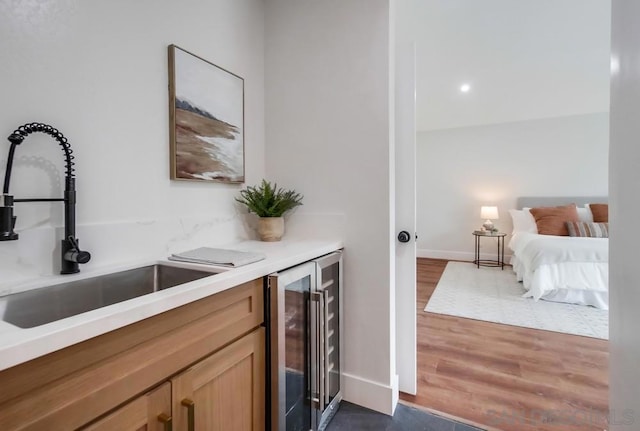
532,202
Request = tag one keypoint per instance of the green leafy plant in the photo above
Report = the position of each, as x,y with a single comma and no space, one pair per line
268,200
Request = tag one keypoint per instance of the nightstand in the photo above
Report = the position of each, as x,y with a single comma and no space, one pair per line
499,262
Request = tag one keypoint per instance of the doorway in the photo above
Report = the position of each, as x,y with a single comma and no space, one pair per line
494,93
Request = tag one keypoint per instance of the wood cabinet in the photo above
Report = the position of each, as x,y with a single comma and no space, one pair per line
205,349
225,391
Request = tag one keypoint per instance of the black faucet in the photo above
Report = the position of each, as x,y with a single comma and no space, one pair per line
71,253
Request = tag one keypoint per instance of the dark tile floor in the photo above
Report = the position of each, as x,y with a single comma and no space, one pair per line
351,417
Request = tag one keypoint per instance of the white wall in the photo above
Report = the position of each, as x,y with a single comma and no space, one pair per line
460,170
97,70
328,133
624,160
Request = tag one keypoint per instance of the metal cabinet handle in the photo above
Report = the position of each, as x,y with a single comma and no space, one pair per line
191,413
166,421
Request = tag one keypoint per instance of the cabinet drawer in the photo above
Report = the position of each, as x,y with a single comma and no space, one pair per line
69,388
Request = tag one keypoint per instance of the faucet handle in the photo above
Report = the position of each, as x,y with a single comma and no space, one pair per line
74,254
7,219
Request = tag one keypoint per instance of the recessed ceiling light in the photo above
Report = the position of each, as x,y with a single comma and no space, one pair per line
465,88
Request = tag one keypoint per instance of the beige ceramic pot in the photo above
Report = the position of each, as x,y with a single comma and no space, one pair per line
270,228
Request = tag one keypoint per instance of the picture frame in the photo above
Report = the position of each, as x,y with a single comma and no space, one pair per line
206,116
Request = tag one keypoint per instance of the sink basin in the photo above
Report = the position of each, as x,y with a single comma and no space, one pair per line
48,304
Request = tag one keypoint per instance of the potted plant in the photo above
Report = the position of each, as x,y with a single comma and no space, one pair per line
269,203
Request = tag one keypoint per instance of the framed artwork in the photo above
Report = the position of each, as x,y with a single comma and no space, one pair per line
206,110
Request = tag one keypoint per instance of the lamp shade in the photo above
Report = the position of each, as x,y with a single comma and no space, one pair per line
489,213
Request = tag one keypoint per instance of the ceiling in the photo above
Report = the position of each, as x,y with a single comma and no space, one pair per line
523,59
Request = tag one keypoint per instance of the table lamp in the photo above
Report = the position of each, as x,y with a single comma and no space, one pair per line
489,213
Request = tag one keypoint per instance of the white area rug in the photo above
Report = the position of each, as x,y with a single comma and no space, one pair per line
494,295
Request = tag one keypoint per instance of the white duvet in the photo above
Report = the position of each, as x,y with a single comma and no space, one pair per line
562,269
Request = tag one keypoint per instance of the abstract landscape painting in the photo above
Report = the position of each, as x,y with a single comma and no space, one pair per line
207,120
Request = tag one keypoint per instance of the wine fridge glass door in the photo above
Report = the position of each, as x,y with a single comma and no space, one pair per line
291,354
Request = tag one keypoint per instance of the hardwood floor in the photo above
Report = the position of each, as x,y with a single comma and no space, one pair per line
504,377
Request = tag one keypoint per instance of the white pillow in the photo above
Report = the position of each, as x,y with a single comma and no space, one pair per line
584,214
523,221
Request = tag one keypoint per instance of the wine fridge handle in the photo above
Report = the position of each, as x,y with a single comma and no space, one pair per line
314,334
322,304
325,336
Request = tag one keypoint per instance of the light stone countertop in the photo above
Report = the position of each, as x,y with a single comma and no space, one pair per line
19,345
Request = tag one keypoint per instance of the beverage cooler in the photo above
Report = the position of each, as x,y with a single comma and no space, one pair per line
303,315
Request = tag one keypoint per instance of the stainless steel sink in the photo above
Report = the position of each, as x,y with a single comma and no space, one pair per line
48,304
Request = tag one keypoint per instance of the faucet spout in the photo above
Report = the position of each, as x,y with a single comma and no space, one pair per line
71,253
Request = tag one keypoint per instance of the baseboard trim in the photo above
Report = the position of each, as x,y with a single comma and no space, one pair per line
372,395
464,256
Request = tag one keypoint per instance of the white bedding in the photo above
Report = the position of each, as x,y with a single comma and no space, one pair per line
562,269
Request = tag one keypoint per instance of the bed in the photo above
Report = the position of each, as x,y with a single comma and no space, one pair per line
560,268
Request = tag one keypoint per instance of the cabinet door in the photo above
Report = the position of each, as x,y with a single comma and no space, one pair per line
150,412
225,391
